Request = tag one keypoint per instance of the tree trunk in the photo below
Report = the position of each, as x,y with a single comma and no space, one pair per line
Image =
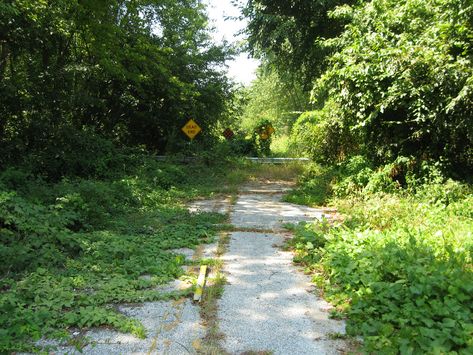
4,55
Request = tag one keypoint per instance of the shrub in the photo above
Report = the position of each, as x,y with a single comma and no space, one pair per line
243,146
74,248
33,235
93,202
314,186
323,136
400,268
401,80
73,153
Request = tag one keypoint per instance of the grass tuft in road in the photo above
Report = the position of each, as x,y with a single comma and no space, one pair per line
212,342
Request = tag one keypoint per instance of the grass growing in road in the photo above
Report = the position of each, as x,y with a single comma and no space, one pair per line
212,342
273,172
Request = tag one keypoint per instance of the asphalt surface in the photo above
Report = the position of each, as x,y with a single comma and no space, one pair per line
268,303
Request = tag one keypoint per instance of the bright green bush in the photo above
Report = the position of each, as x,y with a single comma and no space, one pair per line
323,135
314,186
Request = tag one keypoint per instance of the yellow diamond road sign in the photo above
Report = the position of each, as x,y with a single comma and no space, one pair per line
191,129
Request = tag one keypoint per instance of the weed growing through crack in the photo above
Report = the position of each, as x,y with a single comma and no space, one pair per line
211,343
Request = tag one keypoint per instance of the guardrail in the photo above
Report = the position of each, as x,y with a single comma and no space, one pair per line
253,159
276,160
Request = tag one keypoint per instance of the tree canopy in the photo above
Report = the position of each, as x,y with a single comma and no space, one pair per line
131,71
292,34
389,78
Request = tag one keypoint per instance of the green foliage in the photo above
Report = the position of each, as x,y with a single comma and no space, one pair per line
309,241
281,147
401,80
398,264
291,34
357,176
243,146
75,248
314,186
75,153
392,78
408,291
323,135
262,137
133,72
275,97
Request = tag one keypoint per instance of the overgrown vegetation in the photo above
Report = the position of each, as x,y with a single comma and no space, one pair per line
399,263
387,78
212,342
390,125
88,219
73,249
130,71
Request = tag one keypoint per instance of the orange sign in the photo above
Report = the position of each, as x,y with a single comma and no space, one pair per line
191,129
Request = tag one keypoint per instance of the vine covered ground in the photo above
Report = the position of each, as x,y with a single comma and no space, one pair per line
397,262
73,249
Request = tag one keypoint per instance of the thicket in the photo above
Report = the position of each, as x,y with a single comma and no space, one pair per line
391,85
133,72
274,98
388,78
397,260
401,79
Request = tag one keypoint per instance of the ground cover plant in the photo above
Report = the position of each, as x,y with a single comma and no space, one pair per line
399,264
73,249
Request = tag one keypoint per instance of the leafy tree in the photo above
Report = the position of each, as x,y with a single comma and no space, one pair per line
132,71
402,80
273,97
392,77
292,34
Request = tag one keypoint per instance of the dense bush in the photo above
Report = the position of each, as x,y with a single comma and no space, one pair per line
323,136
33,235
70,68
242,146
402,81
357,176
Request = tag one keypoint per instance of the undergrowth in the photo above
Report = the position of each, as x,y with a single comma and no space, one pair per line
399,264
73,249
